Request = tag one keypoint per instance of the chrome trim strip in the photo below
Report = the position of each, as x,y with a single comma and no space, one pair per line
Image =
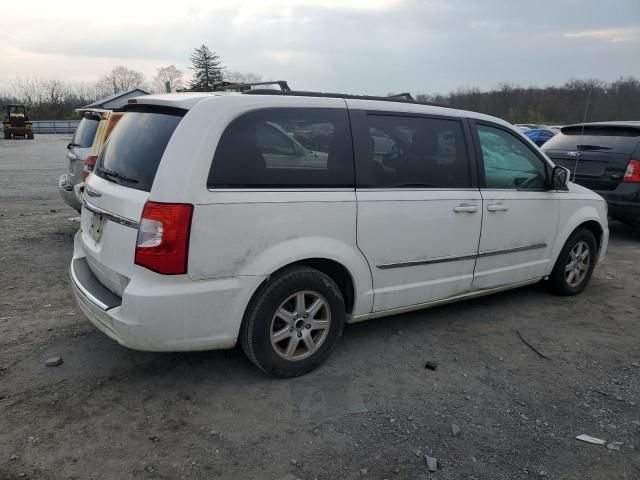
111,216
413,263
456,258
491,253
436,303
84,291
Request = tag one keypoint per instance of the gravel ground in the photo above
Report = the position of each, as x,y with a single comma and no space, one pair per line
372,411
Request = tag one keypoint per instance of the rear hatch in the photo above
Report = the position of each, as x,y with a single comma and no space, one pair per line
598,155
81,143
118,188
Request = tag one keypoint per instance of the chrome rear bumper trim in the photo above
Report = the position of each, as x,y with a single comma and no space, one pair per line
111,216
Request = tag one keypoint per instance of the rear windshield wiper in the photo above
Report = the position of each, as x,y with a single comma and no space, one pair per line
586,148
114,174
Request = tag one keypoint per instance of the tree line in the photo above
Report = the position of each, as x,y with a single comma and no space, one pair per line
572,102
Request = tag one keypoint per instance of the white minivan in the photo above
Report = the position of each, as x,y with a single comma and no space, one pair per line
274,218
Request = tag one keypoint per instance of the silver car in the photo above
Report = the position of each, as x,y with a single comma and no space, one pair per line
82,145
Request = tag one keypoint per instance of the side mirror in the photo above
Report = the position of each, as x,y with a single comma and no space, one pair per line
560,177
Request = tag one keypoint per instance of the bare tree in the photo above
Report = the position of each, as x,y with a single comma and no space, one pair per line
168,79
120,79
239,77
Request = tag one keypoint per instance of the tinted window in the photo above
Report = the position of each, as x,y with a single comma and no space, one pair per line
284,148
509,162
132,154
86,131
405,152
614,139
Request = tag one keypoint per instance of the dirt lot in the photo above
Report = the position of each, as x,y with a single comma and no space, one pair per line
372,412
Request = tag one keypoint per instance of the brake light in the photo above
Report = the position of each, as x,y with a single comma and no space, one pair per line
163,237
633,172
89,163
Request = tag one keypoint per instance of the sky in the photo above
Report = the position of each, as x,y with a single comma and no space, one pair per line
370,47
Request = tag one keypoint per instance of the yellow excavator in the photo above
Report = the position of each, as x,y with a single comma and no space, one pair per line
16,122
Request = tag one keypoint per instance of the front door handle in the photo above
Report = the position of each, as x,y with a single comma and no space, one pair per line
497,207
466,208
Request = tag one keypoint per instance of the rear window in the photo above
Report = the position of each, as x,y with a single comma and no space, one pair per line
614,139
132,154
285,148
86,131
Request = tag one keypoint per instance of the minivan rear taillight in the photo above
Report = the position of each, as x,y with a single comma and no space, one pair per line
633,172
89,163
163,237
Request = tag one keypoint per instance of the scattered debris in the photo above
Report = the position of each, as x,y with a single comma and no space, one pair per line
455,430
590,439
294,461
432,463
14,457
430,365
467,397
53,210
74,219
614,446
534,349
154,438
364,471
53,361
636,364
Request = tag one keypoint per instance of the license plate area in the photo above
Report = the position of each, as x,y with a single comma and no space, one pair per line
95,225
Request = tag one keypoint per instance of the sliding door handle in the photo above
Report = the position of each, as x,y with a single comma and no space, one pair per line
497,207
465,208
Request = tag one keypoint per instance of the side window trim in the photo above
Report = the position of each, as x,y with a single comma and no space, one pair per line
360,134
480,159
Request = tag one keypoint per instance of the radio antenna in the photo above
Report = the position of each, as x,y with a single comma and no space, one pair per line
584,120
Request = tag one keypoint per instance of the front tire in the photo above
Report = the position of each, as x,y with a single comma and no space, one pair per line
575,264
293,322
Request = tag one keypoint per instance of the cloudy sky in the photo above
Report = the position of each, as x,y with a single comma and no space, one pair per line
371,46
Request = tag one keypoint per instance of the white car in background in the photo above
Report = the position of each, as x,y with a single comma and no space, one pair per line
274,219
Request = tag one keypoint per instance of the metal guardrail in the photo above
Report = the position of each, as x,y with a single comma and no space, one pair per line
54,126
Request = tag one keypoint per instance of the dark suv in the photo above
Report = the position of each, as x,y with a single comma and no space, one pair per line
604,157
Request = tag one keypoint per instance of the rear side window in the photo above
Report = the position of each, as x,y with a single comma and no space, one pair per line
132,154
614,139
412,152
285,148
86,131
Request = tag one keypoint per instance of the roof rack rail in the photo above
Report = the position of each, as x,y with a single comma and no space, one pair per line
246,87
402,97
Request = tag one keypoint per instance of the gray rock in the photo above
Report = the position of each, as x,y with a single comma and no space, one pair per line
53,361
613,446
364,471
14,457
294,461
455,430
432,463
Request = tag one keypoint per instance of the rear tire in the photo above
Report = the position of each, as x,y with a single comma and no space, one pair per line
293,322
30,135
7,136
575,264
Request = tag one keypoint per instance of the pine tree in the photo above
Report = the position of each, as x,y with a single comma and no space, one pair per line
207,69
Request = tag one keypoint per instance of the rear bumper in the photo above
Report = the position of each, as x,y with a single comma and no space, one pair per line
68,192
624,201
164,313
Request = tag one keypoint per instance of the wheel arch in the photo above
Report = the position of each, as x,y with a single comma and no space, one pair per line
586,217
